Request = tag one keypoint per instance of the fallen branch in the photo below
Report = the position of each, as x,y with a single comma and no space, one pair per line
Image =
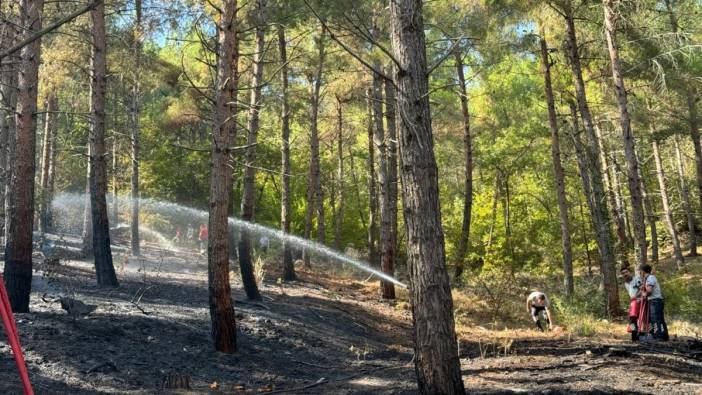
101,365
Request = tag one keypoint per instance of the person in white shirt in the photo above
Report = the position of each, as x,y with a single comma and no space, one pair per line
633,288
652,290
536,303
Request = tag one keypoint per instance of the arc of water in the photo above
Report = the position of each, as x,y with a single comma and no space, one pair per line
169,208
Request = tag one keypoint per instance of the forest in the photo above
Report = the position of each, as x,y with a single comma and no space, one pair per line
350,197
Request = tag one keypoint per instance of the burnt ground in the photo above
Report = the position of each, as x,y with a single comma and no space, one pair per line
318,335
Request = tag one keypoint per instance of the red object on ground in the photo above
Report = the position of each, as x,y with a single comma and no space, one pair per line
8,321
643,322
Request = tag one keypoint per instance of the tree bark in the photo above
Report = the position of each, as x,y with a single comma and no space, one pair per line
104,268
8,91
387,249
18,247
392,167
341,197
47,153
468,155
633,180
436,355
247,200
611,186
226,84
87,235
372,192
600,217
667,213
135,110
558,172
315,198
685,193
285,205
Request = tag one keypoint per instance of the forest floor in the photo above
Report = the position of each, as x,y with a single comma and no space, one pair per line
318,335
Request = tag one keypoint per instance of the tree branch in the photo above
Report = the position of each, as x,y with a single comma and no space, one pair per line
49,29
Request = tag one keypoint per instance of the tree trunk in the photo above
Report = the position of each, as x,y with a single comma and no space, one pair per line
8,131
622,210
221,307
651,217
667,213
115,205
436,355
629,143
87,235
285,205
600,217
611,183
315,199
387,249
104,268
18,247
694,135
685,192
468,152
558,172
372,193
247,200
47,153
339,216
136,105
392,166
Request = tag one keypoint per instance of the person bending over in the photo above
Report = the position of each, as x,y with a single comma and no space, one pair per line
536,303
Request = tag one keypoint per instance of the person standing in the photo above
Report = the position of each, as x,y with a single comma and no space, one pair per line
632,283
536,303
652,291
190,234
202,237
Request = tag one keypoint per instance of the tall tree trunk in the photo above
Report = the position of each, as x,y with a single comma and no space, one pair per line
667,213
372,193
8,93
392,164
339,217
620,202
558,171
18,248
115,205
87,235
104,268
436,354
387,249
629,143
695,136
136,106
221,307
285,205
611,183
315,199
47,153
600,217
651,217
468,155
685,192
247,200
693,120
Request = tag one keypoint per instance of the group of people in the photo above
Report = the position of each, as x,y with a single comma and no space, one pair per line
645,308
202,236
646,303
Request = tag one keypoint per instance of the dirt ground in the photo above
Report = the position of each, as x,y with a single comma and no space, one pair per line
318,335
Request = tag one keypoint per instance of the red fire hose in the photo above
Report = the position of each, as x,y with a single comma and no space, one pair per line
8,321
